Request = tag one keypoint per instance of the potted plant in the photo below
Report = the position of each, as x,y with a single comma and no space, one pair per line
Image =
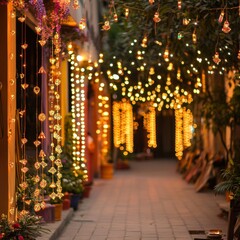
57,203
25,227
73,185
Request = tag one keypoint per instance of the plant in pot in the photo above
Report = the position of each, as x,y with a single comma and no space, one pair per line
26,226
57,203
73,185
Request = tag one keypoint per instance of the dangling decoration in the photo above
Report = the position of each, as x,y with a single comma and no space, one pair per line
226,28
76,4
106,26
180,35
216,58
23,117
179,4
156,20
115,17
203,81
221,16
82,24
156,17
179,74
166,54
144,42
238,56
194,36
126,12
186,21
168,82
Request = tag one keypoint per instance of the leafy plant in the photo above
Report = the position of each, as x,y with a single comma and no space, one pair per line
72,182
27,227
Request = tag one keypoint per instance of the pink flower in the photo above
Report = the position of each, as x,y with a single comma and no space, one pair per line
20,237
1,235
16,225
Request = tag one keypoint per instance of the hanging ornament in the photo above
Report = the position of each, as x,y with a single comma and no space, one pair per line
82,24
156,17
216,58
226,28
168,82
238,55
179,4
144,42
194,36
115,17
220,19
22,19
76,4
106,26
126,12
24,46
151,71
186,21
170,67
179,74
180,36
38,29
166,55
42,42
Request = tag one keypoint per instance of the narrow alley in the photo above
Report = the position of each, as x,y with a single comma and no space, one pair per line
149,201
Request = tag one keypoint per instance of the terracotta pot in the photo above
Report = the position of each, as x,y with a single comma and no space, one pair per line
107,171
86,191
58,211
66,204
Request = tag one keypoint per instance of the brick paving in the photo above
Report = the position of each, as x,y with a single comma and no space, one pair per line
150,201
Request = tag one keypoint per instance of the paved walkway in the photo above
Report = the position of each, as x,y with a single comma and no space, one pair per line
148,202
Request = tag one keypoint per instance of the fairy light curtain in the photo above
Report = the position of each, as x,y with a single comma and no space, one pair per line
103,123
149,123
183,130
123,125
78,95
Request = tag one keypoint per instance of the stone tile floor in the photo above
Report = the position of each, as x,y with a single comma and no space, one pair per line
150,201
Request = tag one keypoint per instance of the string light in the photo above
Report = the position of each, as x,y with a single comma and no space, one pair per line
123,125
23,161
149,120
179,133
183,130
78,96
